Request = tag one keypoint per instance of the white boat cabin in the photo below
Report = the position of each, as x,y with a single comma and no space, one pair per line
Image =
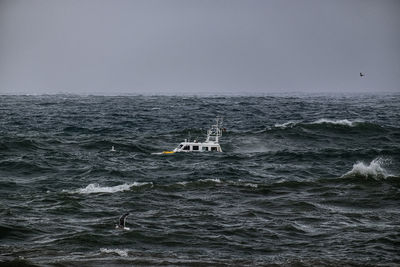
196,146
210,144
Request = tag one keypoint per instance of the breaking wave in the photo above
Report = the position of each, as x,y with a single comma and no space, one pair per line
120,252
288,124
212,180
200,181
373,170
216,181
96,188
344,122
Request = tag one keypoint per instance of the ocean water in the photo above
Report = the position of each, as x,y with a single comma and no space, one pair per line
307,180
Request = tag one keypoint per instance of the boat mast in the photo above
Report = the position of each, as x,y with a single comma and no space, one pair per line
215,132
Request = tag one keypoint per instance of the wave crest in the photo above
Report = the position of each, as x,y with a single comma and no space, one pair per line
216,181
210,180
373,170
344,122
96,188
288,124
120,252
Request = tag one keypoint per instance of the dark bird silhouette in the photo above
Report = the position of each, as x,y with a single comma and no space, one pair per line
122,221
361,74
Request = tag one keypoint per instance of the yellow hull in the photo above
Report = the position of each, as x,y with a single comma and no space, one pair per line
168,152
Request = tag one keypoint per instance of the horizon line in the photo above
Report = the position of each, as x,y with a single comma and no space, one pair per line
288,93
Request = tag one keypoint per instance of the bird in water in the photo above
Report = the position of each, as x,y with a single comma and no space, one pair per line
362,74
122,222
112,149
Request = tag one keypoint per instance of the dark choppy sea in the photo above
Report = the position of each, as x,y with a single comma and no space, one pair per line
303,181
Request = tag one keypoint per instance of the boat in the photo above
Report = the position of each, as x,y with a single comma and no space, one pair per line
210,144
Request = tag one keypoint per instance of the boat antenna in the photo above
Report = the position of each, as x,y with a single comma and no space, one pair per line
215,132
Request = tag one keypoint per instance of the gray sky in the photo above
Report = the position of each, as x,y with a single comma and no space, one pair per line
199,47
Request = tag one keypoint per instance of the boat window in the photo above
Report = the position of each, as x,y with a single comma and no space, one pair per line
186,148
213,148
205,148
180,145
195,147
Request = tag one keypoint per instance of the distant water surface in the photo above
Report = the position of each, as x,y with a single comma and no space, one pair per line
303,181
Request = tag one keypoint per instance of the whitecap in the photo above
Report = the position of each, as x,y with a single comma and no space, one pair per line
373,170
251,185
120,252
240,182
96,188
344,122
215,180
286,124
208,180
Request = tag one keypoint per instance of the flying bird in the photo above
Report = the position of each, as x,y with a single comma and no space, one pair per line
122,222
362,74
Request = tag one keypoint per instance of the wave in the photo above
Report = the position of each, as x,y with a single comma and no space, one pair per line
96,188
344,122
200,181
373,170
19,143
23,166
17,262
216,181
120,252
288,124
323,121
210,180
104,144
251,185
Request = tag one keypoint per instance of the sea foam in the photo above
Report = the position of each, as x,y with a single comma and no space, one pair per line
344,122
287,124
373,170
214,180
96,188
120,252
